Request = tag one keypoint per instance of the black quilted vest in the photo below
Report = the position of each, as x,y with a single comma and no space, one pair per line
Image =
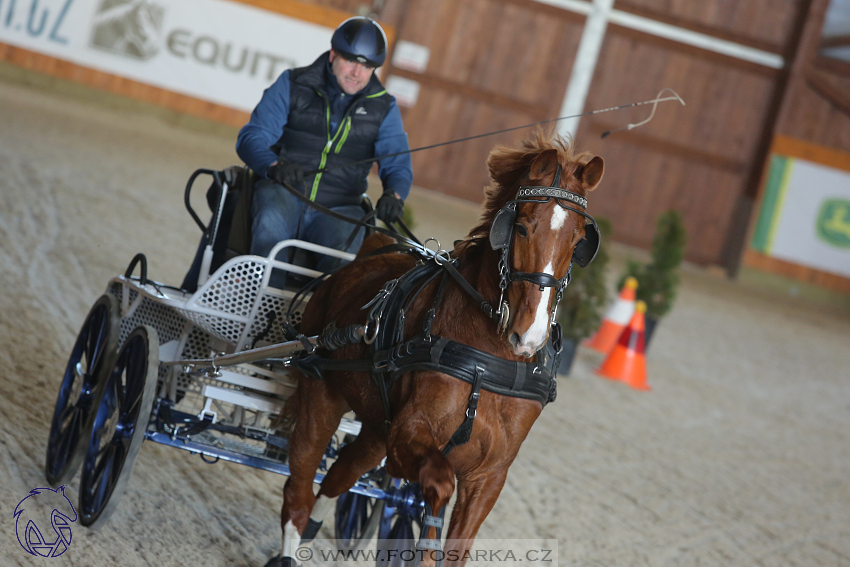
307,138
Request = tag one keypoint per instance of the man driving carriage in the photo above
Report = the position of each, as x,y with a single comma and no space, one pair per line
332,112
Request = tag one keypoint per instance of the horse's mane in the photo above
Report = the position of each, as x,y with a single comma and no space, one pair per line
508,167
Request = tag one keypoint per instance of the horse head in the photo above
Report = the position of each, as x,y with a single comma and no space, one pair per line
540,230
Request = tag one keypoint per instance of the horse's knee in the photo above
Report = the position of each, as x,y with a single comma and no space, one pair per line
437,479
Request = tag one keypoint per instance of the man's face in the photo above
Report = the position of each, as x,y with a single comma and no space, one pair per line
351,75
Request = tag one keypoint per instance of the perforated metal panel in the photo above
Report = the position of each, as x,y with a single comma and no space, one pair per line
235,289
167,321
228,314
225,329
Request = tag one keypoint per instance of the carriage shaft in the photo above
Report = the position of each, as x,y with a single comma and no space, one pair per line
248,356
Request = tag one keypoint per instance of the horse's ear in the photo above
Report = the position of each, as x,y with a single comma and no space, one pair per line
591,173
543,165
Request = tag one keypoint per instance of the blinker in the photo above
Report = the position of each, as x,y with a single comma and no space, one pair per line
586,249
503,227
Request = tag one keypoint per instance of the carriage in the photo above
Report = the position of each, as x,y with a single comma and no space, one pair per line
446,359
206,371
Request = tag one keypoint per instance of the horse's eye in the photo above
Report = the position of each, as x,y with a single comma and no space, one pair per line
521,230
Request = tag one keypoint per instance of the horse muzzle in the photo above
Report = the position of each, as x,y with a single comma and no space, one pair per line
524,347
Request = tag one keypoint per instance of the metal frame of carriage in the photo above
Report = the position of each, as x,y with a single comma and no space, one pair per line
206,372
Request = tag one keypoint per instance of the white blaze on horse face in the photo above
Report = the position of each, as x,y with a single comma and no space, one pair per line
533,338
559,217
291,540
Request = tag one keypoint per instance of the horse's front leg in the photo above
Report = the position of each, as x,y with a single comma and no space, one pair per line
319,410
413,453
355,459
475,498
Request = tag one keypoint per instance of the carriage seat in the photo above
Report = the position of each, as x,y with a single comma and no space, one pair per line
233,237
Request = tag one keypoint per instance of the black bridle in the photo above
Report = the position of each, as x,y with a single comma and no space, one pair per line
502,233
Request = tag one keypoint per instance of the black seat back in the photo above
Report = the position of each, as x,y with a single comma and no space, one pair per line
233,237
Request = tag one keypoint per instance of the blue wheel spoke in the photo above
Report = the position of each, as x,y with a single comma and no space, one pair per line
67,417
135,379
69,436
96,341
132,409
102,488
102,461
118,456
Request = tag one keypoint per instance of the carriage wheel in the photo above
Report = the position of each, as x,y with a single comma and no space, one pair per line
92,355
119,425
357,519
398,547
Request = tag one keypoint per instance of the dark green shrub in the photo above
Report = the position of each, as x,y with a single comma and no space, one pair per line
659,279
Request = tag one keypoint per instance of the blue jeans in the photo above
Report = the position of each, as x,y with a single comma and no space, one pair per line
276,212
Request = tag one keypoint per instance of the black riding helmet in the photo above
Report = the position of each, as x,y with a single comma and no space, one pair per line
361,39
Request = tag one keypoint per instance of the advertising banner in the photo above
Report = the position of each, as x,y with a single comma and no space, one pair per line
214,50
805,215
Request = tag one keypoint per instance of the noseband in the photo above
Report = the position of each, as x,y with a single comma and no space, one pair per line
502,232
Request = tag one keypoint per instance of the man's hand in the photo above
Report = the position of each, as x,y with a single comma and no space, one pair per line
390,207
287,173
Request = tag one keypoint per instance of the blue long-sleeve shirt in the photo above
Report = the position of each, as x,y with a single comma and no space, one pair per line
269,118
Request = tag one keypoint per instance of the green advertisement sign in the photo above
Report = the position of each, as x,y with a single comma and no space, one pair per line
804,216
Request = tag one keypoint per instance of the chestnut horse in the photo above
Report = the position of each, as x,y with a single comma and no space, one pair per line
427,407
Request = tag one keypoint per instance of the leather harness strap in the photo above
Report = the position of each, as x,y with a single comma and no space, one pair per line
391,358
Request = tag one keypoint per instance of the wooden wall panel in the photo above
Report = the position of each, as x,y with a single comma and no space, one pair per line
640,185
493,64
813,118
764,24
695,159
457,169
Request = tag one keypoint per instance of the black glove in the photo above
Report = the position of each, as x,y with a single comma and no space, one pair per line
390,207
287,173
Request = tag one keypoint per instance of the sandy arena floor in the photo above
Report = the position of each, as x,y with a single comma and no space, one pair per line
737,457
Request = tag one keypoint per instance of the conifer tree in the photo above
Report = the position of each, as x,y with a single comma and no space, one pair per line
659,279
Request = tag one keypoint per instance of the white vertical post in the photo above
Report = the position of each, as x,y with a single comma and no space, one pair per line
584,65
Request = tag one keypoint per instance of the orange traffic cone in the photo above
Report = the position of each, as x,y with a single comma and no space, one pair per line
627,361
616,319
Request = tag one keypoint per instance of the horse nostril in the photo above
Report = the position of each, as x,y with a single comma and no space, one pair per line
514,338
